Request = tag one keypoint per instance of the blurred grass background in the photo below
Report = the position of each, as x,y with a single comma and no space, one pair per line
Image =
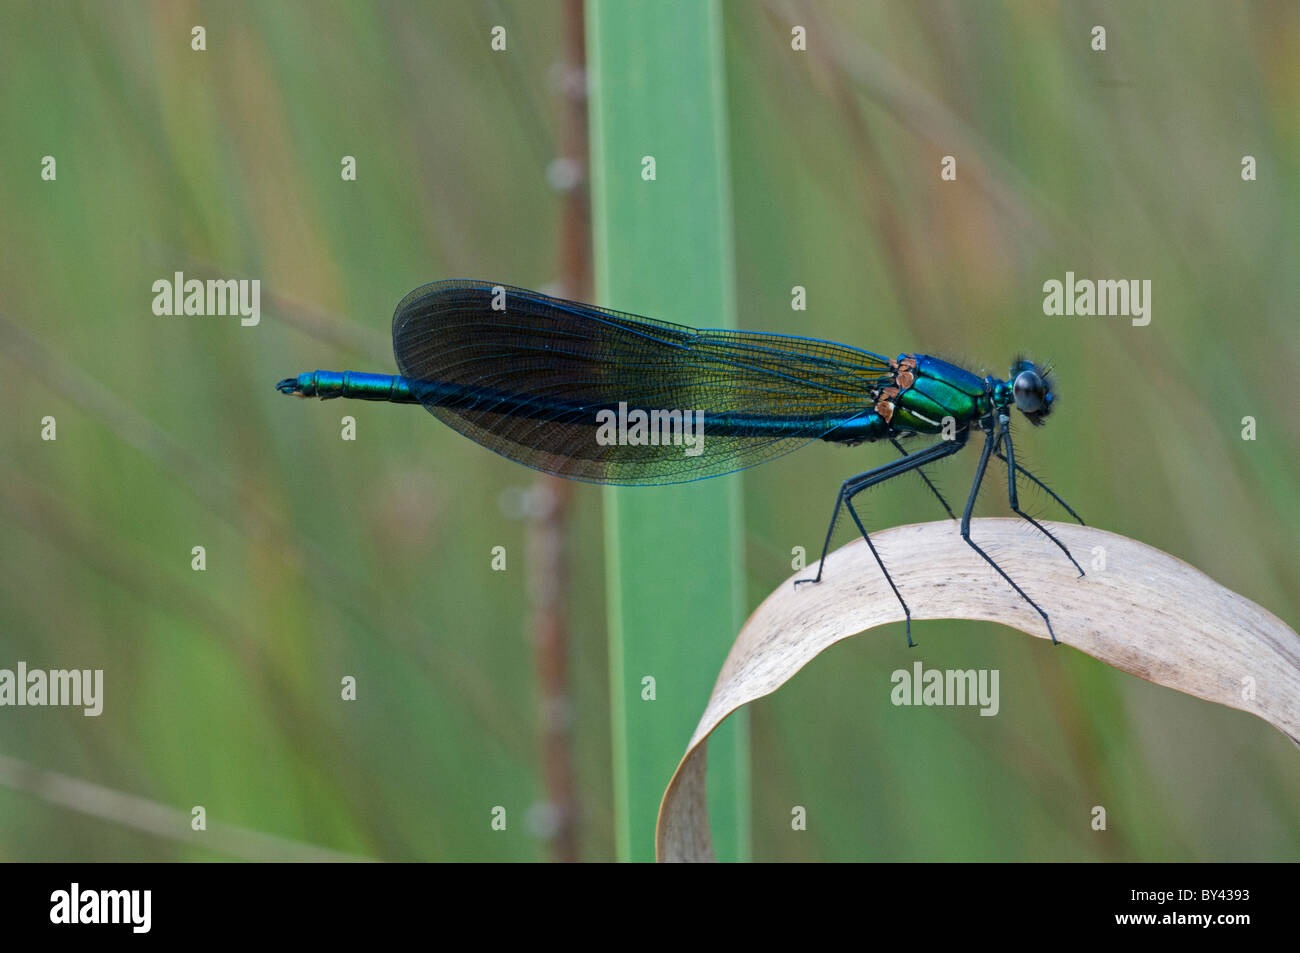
328,558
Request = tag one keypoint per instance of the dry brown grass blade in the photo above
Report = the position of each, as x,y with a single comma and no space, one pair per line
1147,613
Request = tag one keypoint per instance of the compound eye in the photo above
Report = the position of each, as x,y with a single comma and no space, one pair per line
1030,392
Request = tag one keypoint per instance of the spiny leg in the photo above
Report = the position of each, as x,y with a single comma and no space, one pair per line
830,530
921,473
855,485
851,488
1042,486
1014,499
907,613
878,475
965,524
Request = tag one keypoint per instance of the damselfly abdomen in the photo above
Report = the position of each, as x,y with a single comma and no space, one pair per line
605,397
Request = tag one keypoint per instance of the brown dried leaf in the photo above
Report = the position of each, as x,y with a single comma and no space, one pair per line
1147,613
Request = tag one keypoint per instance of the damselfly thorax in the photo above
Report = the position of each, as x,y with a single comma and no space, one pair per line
923,395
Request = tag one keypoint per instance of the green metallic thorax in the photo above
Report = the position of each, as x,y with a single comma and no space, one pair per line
939,390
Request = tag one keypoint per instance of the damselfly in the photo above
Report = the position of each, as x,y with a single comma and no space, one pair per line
605,397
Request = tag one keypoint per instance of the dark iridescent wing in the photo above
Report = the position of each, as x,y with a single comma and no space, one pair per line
530,377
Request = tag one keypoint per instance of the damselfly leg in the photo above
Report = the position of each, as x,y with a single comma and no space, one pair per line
1004,438
921,473
990,439
1042,486
855,485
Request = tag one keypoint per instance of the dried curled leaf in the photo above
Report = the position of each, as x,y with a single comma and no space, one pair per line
1147,613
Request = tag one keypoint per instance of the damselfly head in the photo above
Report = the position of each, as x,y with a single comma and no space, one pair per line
1032,389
